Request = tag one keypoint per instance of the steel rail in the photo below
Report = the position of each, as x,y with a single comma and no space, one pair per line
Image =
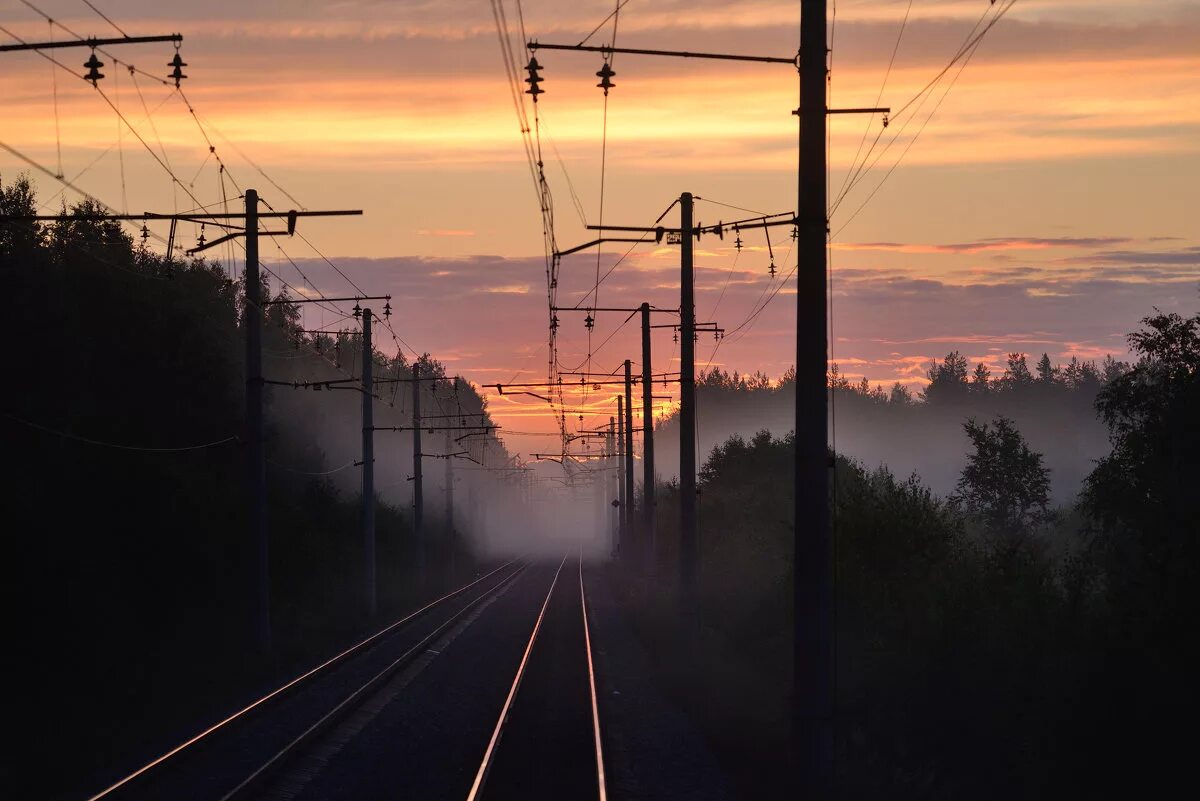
486,764
252,781
292,684
587,639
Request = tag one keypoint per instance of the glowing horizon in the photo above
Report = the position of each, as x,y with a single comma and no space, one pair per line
1046,207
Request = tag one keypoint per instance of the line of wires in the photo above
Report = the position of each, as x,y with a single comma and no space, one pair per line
116,445
531,142
223,174
608,62
116,110
910,111
164,162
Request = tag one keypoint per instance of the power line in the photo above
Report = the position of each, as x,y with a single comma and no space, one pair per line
641,240
107,100
115,60
104,17
730,206
879,97
308,473
921,129
611,15
966,49
115,445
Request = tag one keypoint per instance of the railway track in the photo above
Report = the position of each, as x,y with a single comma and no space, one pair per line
547,740
229,758
486,693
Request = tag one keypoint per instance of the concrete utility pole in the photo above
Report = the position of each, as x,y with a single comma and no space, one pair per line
629,494
813,560
418,500
687,411
622,518
255,453
449,485
451,543
648,521
613,483
368,465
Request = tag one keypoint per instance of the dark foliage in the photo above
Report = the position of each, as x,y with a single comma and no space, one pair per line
128,583
1004,482
1142,501
921,432
985,649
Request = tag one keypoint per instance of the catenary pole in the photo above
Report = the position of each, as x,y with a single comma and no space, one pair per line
622,529
630,520
451,542
368,466
687,412
449,486
813,561
614,491
648,521
255,453
418,499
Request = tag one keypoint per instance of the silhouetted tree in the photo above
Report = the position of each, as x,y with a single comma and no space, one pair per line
1111,369
837,381
948,380
900,395
1004,481
1017,375
981,380
1144,493
1047,373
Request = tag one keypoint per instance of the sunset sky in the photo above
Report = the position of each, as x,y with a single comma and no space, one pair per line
1049,203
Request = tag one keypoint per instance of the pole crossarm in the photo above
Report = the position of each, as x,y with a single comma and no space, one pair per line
762,221
633,51
291,229
593,243
434,379
201,219
609,375
880,110
554,457
476,429
331,384
92,42
552,384
608,309
289,301
452,416
181,217
697,327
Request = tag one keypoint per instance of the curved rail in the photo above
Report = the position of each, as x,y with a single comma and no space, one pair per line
294,683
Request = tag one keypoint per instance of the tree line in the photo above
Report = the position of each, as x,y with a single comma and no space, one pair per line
991,643
126,503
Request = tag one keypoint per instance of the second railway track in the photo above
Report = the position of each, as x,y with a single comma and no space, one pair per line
487,694
232,757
